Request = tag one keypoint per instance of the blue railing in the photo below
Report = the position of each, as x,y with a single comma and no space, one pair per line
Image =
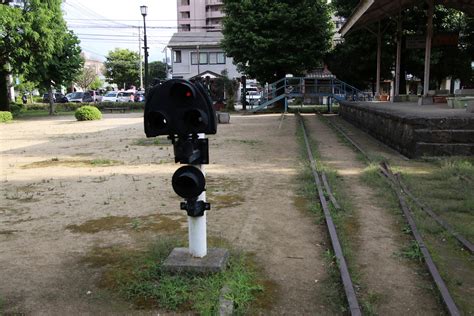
308,87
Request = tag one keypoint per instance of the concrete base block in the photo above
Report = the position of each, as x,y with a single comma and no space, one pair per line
180,260
425,100
470,108
399,98
223,117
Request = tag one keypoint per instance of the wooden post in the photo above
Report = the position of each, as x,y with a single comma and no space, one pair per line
379,61
429,36
399,58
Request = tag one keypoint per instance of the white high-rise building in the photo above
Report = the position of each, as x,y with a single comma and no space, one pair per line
200,15
196,47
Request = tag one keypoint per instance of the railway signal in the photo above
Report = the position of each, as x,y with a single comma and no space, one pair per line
183,111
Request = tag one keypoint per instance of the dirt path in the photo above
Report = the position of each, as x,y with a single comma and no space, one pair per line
57,174
394,282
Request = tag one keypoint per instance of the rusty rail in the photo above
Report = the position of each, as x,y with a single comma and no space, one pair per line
388,175
341,261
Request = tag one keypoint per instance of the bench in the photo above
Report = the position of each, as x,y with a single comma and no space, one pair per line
112,109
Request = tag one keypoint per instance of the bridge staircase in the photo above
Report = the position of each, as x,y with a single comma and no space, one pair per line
312,88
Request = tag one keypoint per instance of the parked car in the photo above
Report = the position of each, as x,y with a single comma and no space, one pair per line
110,96
57,98
253,97
96,96
140,96
81,97
125,96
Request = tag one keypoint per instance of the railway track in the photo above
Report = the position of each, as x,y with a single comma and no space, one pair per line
322,185
401,191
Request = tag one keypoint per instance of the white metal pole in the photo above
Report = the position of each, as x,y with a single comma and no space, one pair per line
197,226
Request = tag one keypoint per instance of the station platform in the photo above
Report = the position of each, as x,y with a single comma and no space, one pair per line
414,130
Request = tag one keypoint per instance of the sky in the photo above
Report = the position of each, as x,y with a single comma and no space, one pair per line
103,25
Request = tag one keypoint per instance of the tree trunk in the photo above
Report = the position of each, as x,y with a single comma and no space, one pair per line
51,103
4,101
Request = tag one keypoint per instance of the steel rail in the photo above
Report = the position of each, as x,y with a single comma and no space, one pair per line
341,261
387,174
460,238
442,288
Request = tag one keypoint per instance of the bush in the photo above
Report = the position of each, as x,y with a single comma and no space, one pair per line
16,109
88,113
5,116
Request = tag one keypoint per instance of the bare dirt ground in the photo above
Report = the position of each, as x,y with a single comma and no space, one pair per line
395,283
69,188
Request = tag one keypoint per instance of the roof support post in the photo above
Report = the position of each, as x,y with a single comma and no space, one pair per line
398,58
379,61
429,36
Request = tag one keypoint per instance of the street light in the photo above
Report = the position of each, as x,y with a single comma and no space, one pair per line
143,10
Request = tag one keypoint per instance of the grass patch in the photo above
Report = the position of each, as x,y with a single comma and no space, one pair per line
155,222
56,162
138,277
447,186
155,141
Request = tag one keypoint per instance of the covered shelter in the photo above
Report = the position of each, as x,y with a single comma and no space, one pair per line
368,12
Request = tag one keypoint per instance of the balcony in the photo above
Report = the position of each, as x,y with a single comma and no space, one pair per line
214,2
214,14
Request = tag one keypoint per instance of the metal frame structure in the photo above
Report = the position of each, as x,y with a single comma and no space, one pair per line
371,11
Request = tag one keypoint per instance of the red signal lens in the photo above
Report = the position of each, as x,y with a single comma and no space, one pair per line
188,94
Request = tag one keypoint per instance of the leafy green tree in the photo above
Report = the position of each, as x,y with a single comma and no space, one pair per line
270,38
157,70
28,36
96,84
359,48
61,69
122,67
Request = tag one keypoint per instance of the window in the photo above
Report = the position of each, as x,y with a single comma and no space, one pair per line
203,58
216,58
185,27
185,15
184,2
176,56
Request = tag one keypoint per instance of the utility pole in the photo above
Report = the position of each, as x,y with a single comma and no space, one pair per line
140,57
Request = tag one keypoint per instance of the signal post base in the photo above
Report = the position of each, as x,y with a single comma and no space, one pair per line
181,261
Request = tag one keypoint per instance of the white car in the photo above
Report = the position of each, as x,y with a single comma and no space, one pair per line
110,96
253,97
125,96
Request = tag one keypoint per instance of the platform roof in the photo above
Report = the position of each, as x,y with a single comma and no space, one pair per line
370,11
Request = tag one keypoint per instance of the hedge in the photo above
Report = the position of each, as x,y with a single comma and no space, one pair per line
5,116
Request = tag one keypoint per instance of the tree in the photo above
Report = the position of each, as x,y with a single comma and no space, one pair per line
86,77
358,49
61,69
96,84
26,34
269,38
122,67
157,70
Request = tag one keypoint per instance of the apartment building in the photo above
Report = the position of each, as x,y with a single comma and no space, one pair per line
195,48
200,15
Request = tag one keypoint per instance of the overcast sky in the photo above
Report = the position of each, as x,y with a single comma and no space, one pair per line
103,25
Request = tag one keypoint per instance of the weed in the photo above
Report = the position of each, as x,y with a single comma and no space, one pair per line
138,276
412,252
157,141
